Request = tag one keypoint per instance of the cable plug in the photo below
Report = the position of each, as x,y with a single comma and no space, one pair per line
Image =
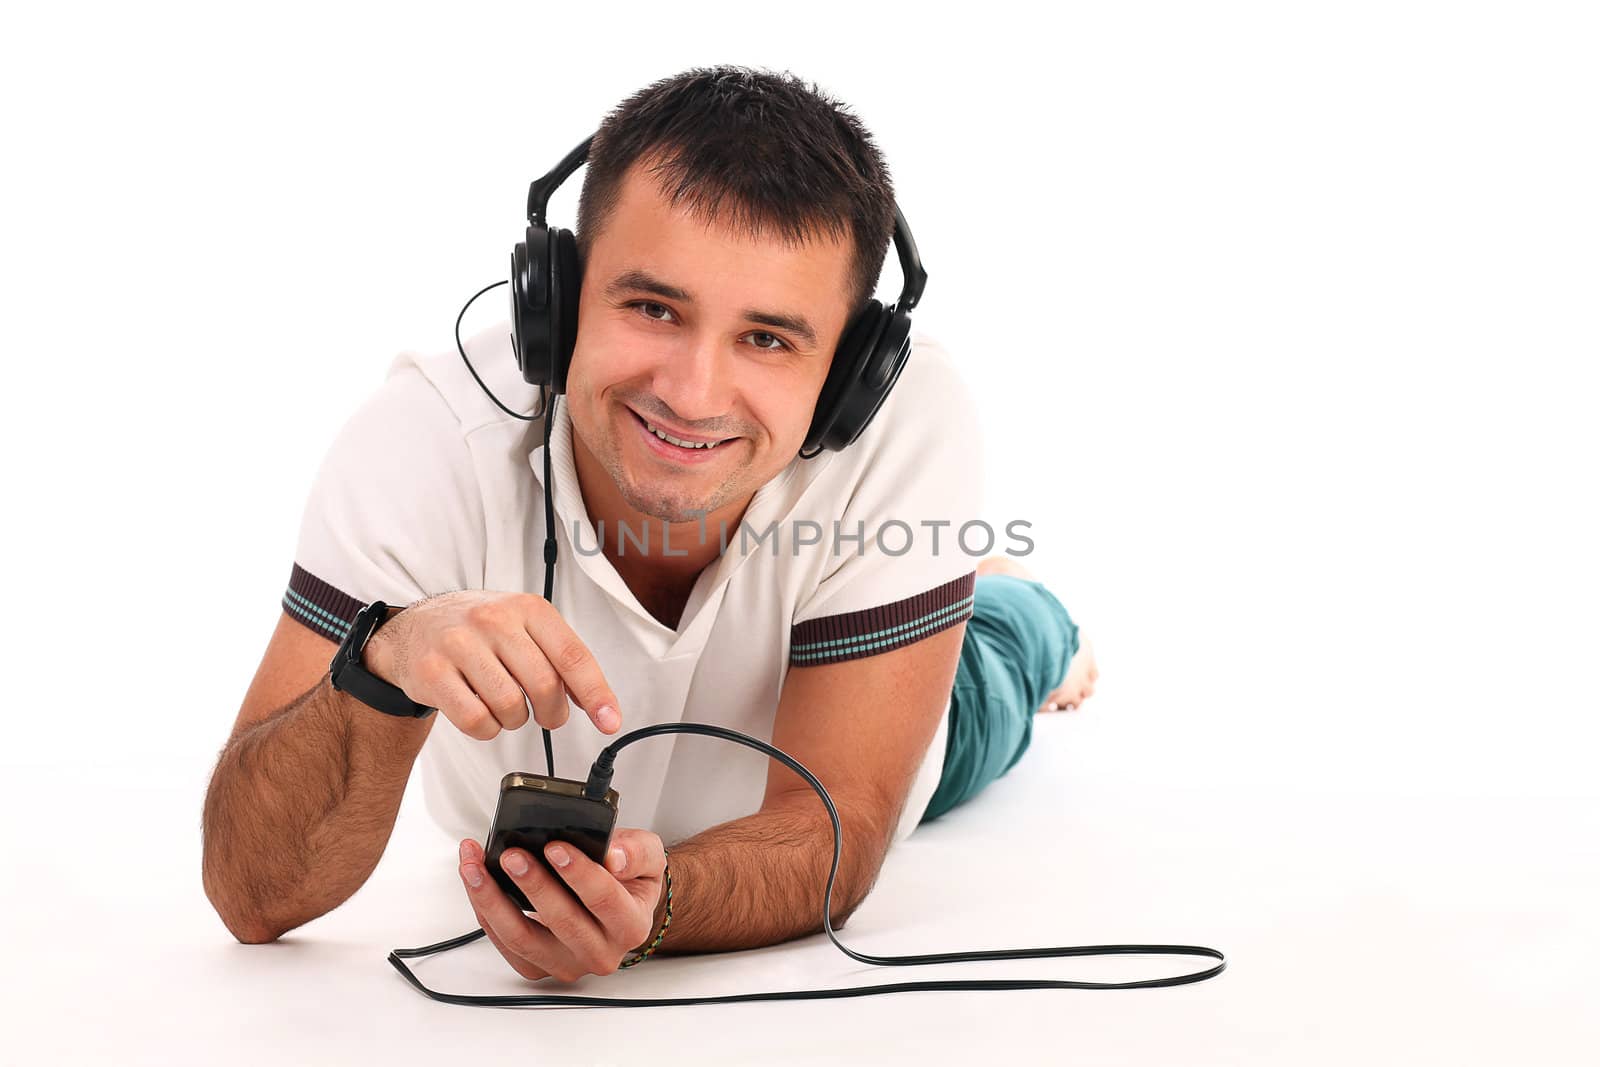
600,775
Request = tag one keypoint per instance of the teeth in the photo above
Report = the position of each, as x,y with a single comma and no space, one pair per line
678,441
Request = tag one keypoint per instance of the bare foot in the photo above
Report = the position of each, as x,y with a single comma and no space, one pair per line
1078,685
1082,673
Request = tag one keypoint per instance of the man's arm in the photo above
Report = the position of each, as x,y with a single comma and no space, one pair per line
862,727
305,794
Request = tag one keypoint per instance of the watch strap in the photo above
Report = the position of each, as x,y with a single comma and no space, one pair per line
349,674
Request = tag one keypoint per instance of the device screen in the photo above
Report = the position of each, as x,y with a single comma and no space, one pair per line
557,817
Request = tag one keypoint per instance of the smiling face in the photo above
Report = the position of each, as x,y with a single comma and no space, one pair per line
707,335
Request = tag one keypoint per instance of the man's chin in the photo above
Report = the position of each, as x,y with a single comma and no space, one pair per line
673,509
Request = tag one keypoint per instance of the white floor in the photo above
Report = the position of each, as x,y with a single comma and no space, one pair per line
1357,928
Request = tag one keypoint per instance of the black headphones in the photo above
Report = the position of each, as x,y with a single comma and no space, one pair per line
546,276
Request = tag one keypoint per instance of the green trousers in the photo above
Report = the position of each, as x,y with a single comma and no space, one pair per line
1018,643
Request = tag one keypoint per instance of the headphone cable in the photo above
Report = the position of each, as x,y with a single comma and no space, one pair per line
599,781
547,406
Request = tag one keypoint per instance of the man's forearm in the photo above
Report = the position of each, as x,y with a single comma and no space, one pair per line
300,808
759,880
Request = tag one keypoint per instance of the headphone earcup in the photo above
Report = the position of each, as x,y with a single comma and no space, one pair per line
566,282
530,306
890,349
884,339
852,349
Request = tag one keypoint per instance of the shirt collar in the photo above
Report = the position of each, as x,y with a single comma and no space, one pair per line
772,502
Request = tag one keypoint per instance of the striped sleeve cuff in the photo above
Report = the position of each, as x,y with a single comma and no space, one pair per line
322,607
835,638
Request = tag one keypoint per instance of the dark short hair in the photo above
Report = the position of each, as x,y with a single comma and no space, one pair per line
763,148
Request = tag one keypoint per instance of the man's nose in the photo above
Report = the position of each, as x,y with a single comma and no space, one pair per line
696,381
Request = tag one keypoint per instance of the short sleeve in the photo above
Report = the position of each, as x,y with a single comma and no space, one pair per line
394,512
896,569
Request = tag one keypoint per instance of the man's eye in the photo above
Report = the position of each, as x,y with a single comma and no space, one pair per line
647,305
648,308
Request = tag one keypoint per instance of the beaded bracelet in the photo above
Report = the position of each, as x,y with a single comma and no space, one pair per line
666,872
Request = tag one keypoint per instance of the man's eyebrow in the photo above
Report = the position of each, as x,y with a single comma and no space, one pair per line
645,282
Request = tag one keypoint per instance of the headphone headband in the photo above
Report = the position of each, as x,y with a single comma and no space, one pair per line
915,277
540,190
546,275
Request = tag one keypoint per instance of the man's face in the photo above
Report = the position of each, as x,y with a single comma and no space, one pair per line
707,335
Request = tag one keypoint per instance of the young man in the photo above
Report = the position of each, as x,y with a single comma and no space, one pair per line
730,223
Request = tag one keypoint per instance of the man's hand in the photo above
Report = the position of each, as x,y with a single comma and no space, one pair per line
473,654
612,914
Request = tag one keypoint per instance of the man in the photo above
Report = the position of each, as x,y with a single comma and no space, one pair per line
730,222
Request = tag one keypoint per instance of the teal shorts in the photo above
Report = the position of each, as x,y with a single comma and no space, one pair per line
1018,643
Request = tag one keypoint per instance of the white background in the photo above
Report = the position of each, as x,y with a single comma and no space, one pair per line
1282,325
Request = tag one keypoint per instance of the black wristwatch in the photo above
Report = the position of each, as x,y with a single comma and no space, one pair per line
350,675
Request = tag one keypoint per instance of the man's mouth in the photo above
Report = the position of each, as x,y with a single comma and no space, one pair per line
670,444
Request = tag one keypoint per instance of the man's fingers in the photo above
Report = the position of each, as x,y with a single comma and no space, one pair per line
576,665
532,951
495,687
533,673
472,852
460,704
643,853
597,889
513,933
566,919
523,967
642,859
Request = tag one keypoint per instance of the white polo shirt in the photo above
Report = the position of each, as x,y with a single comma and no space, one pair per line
429,487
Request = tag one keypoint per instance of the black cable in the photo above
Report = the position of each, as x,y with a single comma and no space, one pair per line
546,401
539,411
600,780
549,556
